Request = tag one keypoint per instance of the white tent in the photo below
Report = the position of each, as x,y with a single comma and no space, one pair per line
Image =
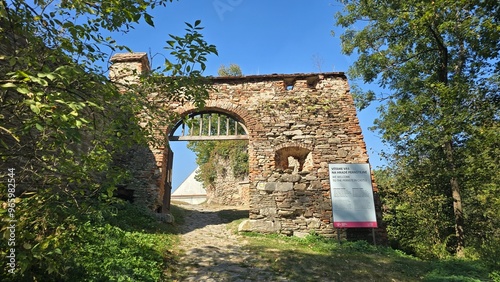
190,191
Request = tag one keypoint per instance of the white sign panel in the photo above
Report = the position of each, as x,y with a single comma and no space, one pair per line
352,196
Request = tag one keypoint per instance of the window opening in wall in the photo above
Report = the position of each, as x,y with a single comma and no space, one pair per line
296,159
289,83
312,81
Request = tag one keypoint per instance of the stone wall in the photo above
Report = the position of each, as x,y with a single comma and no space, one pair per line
143,188
297,125
228,189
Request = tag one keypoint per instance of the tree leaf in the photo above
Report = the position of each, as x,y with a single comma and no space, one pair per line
9,85
34,107
149,19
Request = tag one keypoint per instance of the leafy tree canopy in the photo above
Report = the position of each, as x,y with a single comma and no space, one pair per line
440,61
64,128
231,70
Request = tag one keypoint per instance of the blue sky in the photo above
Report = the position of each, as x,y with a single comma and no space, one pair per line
262,37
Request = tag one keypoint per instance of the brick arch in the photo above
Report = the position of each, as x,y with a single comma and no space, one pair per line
236,111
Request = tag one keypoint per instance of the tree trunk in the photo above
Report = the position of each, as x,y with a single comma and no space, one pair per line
457,201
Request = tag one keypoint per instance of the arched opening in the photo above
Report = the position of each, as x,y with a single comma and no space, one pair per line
208,125
220,142
296,159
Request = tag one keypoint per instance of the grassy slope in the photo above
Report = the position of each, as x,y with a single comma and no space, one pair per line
320,259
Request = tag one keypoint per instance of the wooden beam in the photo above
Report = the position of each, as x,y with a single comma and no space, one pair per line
206,138
218,124
209,124
201,124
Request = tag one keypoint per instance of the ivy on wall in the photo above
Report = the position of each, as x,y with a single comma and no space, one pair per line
209,154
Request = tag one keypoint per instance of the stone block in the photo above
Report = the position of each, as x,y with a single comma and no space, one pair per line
293,132
290,177
285,213
334,140
266,186
342,153
283,186
165,217
262,226
311,177
268,211
300,234
313,223
300,186
308,213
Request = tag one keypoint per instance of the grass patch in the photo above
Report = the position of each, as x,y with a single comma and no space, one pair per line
233,218
315,258
232,215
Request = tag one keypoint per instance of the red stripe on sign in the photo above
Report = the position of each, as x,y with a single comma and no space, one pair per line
355,224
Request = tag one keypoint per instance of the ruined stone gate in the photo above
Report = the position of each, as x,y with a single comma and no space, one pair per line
296,124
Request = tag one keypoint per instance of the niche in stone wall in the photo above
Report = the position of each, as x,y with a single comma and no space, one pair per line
295,158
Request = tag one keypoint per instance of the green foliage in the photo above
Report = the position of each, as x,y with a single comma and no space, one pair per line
440,61
231,70
64,127
210,153
89,246
321,257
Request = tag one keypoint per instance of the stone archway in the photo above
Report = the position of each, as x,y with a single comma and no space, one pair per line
305,119
217,123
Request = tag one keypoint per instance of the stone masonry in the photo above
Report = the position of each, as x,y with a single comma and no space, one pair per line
297,124
227,188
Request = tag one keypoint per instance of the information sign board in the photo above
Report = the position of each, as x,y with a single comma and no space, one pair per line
352,196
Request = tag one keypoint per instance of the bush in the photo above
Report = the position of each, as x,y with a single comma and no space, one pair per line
114,242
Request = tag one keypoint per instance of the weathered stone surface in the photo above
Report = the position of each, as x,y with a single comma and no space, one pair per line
293,132
269,186
262,226
285,213
284,186
300,186
300,234
290,177
315,185
313,223
165,217
268,211
227,188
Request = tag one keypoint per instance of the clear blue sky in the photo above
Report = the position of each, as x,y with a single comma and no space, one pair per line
262,37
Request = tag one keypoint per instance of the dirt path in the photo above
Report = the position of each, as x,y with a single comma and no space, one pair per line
214,253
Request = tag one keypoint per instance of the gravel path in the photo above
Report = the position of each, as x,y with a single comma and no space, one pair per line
214,253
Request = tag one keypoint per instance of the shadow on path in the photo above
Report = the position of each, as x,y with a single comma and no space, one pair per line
211,252
199,216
